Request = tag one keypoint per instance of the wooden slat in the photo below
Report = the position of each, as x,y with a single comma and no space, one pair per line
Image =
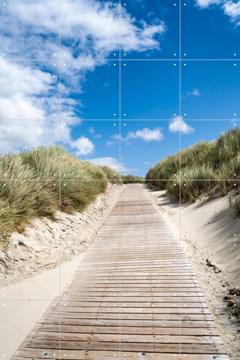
91,344
125,310
107,355
192,324
135,296
141,330
123,316
111,304
123,338
88,301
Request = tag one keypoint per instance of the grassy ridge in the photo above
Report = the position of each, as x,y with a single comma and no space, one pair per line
205,167
132,179
40,182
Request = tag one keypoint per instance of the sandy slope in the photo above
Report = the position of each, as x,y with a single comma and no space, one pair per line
46,243
210,235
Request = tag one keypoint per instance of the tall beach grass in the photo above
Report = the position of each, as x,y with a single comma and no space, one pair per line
41,181
203,168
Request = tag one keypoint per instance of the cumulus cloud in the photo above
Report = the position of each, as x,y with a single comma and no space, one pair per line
177,124
112,162
146,134
83,146
87,20
29,29
29,113
232,9
229,7
206,3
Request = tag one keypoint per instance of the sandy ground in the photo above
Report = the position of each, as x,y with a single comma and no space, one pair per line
23,303
210,237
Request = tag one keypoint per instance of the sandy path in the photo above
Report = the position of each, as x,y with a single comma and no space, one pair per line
22,304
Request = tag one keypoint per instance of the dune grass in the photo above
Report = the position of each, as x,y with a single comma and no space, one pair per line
113,176
39,182
235,203
132,179
204,168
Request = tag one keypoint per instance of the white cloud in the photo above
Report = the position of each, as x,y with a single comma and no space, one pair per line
177,124
22,79
93,132
194,92
19,91
146,134
95,28
229,7
232,9
30,113
113,163
29,30
83,146
88,20
206,3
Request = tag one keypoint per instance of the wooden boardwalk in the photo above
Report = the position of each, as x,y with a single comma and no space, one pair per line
134,297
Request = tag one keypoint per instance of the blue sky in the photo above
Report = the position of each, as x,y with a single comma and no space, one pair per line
107,81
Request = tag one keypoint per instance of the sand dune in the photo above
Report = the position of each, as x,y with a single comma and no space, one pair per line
45,243
210,236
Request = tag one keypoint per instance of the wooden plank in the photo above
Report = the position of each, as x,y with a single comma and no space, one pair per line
134,282
122,316
141,330
90,344
141,295
125,338
130,299
137,286
125,310
140,291
130,323
108,355
111,304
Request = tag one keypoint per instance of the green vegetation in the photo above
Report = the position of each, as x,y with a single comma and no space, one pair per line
235,203
204,168
113,176
40,182
132,179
